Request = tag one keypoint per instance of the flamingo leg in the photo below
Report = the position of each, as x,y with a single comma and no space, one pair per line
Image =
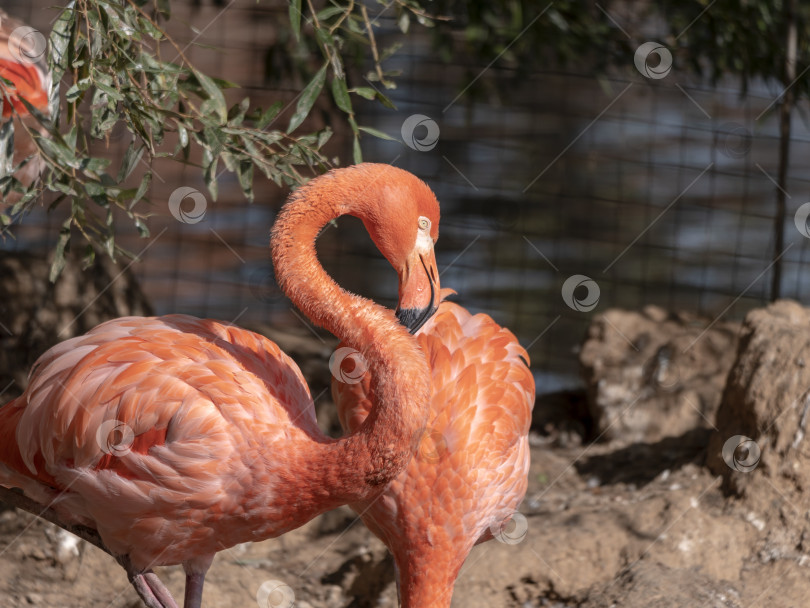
148,586
145,592
159,590
194,589
195,579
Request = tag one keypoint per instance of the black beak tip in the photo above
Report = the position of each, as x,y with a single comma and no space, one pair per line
414,318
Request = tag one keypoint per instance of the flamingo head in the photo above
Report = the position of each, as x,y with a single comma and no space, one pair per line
403,221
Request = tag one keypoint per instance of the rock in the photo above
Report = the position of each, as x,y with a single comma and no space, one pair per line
648,584
760,447
654,374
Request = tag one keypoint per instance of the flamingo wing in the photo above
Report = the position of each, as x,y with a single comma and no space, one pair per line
145,427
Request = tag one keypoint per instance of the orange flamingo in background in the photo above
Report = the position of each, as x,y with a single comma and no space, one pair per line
175,437
24,64
471,470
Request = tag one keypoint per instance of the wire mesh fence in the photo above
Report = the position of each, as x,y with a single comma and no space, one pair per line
563,194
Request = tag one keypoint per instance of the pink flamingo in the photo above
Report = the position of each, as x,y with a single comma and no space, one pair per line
471,470
175,437
25,66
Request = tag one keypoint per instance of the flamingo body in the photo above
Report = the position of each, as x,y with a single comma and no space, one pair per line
471,470
196,396
175,437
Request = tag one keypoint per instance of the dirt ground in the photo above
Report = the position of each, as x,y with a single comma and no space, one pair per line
618,522
608,525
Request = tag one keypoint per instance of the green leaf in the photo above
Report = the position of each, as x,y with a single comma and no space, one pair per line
210,177
404,22
365,92
267,117
376,133
357,153
329,12
324,136
295,18
307,99
142,188
245,174
7,148
143,229
182,134
109,246
59,253
341,95
60,42
384,100
215,97
164,7
131,157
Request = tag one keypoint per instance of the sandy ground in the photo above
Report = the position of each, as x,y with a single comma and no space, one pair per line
608,525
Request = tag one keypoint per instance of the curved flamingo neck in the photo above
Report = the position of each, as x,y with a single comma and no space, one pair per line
360,465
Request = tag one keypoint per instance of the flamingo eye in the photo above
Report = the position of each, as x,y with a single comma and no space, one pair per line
424,223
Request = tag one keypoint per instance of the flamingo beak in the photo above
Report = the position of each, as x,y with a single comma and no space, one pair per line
418,289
